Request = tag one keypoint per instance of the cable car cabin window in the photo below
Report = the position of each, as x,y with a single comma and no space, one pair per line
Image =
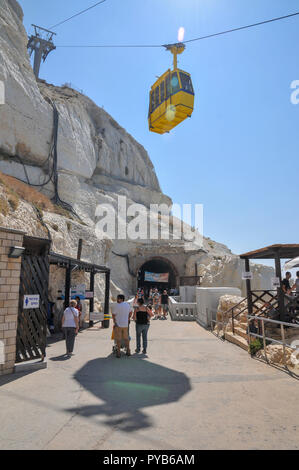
168,90
186,83
157,101
162,91
152,101
175,84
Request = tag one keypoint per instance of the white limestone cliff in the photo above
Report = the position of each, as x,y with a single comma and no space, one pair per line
97,162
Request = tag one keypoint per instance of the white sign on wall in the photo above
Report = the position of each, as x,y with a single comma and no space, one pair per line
31,301
78,290
247,276
275,282
97,316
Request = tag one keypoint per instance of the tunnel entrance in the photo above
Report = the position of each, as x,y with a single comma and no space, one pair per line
157,266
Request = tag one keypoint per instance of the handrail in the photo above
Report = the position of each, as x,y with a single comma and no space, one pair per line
266,338
231,310
253,317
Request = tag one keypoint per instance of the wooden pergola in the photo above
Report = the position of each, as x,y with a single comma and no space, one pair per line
69,264
277,253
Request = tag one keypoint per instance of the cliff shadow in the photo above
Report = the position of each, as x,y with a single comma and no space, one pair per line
126,387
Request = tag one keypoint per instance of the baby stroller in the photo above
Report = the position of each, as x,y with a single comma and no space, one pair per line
122,346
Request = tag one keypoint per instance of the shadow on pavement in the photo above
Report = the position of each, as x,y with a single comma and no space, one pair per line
6,379
61,358
125,387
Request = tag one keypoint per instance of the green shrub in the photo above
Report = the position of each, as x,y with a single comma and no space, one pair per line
255,346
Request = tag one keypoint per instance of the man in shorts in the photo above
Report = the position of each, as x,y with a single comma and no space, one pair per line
121,315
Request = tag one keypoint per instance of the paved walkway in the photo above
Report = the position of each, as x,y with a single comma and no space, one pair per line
192,392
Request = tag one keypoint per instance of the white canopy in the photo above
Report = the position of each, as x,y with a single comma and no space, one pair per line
294,263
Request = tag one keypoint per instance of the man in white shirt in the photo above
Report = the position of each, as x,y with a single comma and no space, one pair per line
121,314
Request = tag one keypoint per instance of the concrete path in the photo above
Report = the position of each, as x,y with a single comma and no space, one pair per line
191,392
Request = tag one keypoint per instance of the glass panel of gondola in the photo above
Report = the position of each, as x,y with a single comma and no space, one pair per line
168,90
152,106
186,83
157,101
175,84
162,91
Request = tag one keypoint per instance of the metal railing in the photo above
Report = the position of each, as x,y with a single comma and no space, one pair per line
270,302
265,338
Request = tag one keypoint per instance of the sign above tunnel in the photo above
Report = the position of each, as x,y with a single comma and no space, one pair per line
156,277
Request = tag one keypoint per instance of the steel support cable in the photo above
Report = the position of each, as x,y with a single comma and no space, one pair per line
78,14
253,25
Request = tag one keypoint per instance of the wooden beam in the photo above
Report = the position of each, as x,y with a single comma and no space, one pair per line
91,301
248,288
280,293
107,294
68,280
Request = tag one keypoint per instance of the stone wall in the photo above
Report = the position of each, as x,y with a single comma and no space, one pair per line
10,270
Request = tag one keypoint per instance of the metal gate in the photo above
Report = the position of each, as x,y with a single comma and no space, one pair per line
32,323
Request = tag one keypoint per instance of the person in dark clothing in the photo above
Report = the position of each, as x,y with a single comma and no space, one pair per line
286,287
164,303
142,318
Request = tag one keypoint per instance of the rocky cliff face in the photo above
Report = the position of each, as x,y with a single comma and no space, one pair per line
93,149
98,161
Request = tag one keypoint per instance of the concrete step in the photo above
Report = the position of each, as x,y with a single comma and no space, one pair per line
30,366
241,332
238,340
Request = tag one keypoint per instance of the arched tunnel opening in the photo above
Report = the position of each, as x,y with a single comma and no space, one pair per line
157,273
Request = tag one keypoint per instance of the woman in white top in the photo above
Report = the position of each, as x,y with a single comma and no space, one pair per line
70,325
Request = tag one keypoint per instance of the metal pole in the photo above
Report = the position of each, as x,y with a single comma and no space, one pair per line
249,300
80,244
107,293
38,52
283,345
264,339
233,321
91,301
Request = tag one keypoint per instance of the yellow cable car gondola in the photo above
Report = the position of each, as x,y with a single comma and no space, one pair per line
171,97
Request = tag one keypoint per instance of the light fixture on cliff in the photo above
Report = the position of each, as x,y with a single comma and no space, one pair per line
16,251
41,43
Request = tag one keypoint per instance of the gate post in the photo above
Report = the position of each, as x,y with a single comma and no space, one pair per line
10,269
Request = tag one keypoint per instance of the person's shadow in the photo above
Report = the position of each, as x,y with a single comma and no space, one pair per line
127,386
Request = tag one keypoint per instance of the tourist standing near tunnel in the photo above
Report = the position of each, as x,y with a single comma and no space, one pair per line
142,318
70,325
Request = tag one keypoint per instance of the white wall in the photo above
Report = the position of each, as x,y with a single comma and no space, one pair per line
207,299
188,293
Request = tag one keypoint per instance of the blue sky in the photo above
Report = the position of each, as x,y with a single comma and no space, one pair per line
238,155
